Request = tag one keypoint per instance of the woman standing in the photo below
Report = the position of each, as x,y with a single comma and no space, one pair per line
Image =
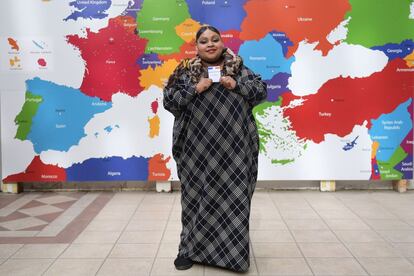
216,147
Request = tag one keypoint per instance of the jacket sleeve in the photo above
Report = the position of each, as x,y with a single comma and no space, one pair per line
177,97
250,86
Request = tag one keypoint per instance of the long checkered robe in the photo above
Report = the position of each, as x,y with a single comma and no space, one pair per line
216,147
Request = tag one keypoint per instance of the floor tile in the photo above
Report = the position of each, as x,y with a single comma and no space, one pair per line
87,251
126,267
336,266
40,251
32,267
324,250
75,267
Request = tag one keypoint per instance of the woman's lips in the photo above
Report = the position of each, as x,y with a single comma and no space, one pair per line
211,51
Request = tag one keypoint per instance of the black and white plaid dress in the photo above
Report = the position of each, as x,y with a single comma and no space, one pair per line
216,147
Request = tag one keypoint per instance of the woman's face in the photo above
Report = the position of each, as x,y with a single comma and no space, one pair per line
209,46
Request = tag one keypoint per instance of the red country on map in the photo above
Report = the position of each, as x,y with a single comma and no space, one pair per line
38,171
342,103
300,20
110,56
157,168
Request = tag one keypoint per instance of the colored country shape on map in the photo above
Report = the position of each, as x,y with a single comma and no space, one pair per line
134,6
222,14
41,62
108,169
231,40
13,44
267,62
187,30
60,118
378,22
389,130
110,56
187,50
277,142
387,168
410,59
276,86
342,103
127,22
157,168
394,50
37,171
157,76
154,126
407,143
375,174
89,9
154,107
157,21
283,40
148,60
406,167
25,117
298,19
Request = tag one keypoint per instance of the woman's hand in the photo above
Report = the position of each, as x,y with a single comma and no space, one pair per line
203,85
228,82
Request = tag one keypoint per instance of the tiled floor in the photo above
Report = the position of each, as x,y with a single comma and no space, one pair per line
137,233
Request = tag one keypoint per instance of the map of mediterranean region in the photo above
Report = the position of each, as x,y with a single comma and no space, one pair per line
337,94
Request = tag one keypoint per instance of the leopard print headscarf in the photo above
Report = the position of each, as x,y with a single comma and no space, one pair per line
194,68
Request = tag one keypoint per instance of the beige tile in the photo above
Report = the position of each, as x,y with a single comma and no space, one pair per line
48,251
32,267
40,210
282,266
141,237
216,271
387,266
267,224
171,236
299,214
347,224
358,236
271,236
22,223
75,267
55,199
405,249
168,250
87,251
165,266
125,267
324,250
151,215
306,224
2,260
314,236
335,266
106,225
134,250
337,214
397,235
388,224
114,215
374,213
97,237
273,250
373,249
6,250
146,225
265,215
299,205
